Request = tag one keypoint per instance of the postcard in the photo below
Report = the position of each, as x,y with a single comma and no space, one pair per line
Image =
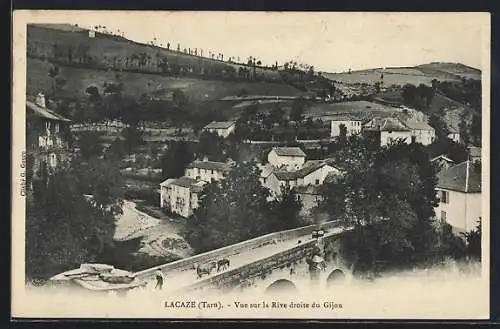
250,165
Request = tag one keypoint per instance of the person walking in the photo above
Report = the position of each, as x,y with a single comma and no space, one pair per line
159,280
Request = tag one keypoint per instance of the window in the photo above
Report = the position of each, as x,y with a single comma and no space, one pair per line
264,180
53,160
443,215
317,182
57,127
298,197
445,197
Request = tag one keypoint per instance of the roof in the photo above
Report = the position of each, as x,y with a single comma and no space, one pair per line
209,165
289,151
45,112
167,182
475,151
461,177
415,125
386,124
187,182
308,168
266,170
219,125
443,157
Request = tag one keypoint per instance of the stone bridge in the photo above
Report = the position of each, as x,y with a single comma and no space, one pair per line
249,260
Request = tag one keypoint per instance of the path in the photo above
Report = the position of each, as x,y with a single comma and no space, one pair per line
153,231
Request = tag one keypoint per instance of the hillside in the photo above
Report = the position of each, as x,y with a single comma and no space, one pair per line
105,47
135,84
403,75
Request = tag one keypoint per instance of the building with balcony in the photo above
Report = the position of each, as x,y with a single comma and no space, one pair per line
45,141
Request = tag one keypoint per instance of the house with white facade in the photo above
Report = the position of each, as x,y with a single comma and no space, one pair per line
312,174
286,157
181,195
353,126
388,130
46,145
459,193
421,132
207,171
221,128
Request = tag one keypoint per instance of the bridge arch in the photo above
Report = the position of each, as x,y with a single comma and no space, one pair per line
335,277
281,286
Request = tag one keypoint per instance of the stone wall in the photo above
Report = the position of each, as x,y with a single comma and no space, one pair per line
230,279
214,255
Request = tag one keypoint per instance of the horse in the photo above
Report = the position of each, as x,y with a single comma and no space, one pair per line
205,269
223,264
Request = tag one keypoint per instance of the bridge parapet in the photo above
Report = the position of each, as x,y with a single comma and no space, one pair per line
232,278
214,255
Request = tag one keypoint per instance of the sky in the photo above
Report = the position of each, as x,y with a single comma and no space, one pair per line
331,42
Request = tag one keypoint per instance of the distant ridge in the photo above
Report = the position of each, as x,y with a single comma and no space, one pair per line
423,73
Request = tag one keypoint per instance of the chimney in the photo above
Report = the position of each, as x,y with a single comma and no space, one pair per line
40,100
205,158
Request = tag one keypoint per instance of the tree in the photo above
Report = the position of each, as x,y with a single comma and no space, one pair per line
389,197
439,125
473,241
342,134
297,111
453,150
285,210
276,115
65,228
232,210
212,146
54,72
89,144
463,130
175,160
476,129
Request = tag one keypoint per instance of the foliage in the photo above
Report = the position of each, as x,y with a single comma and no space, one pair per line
89,144
463,130
453,150
388,195
297,111
439,125
211,146
175,160
285,210
418,97
473,241
232,210
65,228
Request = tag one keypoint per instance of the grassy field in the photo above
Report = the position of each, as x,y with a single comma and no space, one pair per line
359,109
105,46
414,75
78,79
